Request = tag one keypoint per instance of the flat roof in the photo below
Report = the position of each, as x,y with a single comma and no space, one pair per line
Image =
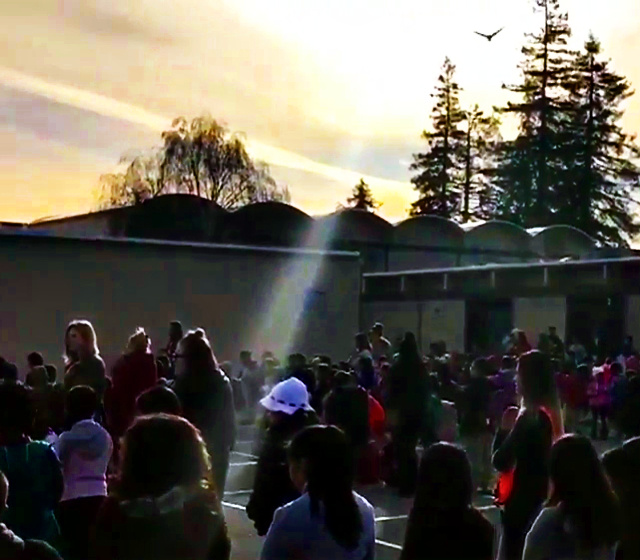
503,266
213,247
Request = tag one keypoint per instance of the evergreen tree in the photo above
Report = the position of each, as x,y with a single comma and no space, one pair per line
441,173
482,132
531,166
602,174
362,198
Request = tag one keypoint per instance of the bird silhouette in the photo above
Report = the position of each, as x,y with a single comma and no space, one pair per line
489,37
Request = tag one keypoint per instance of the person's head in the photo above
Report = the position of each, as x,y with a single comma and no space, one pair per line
325,374
444,480
536,385
362,342
80,341
616,369
553,331
582,491
245,357
161,452
196,356
158,400
480,368
344,379
297,361
35,359
175,331
320,460
377,331
8,371
287,398
16,415
81,403
38,378
52,373
139,341
409,347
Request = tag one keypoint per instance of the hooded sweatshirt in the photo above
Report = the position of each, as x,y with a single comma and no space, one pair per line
84,452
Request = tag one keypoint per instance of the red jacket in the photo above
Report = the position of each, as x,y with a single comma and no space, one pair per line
376,418
132,374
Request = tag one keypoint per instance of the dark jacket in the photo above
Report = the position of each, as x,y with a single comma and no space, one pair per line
475,407
90,371
272,487
466,535
177,525
348,409
207,402
407,387
526,449
132,374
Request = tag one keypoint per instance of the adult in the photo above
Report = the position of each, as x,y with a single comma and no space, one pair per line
406,398
132,374
288,412
329,520
84,366
297,367
622,465
363,349
207,401
582,516
443,524
380,346
164,505
31,467
522,447
38,382
84,451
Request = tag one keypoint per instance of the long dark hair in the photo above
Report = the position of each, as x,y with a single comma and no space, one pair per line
328,467
444,482
582,491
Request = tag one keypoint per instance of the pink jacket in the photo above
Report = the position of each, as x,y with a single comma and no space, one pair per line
598,391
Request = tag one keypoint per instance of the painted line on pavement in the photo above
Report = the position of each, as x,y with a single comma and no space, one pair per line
248,455
392,518
238,492
245,464
233,506
388,544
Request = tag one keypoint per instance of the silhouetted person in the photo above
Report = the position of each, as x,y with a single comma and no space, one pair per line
158,400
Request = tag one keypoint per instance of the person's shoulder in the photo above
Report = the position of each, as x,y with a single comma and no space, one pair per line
364,504
294,512
549,517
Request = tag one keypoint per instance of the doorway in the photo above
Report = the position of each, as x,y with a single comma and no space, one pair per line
487,323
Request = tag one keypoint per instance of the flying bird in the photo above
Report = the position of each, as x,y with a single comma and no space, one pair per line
489,37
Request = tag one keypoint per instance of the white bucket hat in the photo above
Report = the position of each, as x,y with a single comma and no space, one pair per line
288,397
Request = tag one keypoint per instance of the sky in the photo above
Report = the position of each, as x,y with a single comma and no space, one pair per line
326,92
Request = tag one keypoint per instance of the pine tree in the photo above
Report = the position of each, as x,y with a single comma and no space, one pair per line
441,174
481,135
602,175
532,165
362,198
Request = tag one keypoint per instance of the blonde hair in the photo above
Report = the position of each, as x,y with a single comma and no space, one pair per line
87,334
139,341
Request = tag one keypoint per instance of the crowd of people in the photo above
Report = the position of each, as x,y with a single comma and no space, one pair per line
132,463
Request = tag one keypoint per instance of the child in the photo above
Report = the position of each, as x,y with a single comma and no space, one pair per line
599,401
84,452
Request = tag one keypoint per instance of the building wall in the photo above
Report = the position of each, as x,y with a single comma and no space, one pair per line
47,282
536,315
444,321
430,321
632,322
